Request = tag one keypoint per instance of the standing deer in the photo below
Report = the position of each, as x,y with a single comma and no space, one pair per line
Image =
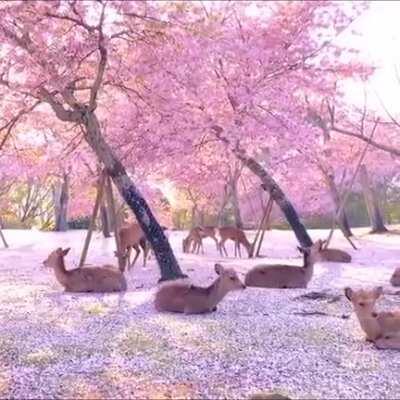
132,237
334,255
395,279
85,279
286,276
235,234
194,239
183,297
381,328
211,232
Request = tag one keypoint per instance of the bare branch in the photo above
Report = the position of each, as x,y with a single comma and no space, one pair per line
11,124
102,63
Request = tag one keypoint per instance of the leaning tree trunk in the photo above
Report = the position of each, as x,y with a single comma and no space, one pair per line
61,199
342,219
165,257
276,193
235,204
372,203
105,220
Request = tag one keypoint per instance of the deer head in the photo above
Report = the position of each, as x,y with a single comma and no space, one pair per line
363,300
55,257
312,253
229,279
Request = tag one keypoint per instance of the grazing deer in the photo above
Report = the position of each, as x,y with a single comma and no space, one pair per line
395,279
132,237
183,297
194,239
286,276
211,232
381,328
334,255
235,234
85,279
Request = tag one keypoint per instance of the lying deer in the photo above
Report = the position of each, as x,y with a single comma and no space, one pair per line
381,328
235,234
395,279
183,297
194,239
286,276
334,255
85,279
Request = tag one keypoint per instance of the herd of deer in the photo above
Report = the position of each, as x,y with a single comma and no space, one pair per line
383,328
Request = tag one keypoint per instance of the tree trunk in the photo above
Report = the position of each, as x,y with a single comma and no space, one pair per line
372,203
61,199
105,220
225,199
193,216
342,219
235,204
169,266
276,193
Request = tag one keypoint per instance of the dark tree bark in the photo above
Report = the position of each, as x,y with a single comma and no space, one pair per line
61,201
269,185
276,193
235,203
342,219
105,220
165,257
225,199
372,203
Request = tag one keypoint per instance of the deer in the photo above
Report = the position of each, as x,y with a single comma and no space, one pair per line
235,234
395,279
102,279
286,276
209,231
194,239
183,297
334,255
381,328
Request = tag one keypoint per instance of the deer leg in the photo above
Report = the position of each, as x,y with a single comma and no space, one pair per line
197,246
222,247
388,343
137,249
144,245
128,256
239,249
216,242
202,247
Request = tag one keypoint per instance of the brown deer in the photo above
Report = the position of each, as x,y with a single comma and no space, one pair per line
395,279
334,255
235,234
183,297
85,279
211,232
381,328
286,276
132,237
194,239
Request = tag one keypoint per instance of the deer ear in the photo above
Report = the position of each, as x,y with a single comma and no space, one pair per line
218,269
66,251
348,292
378,291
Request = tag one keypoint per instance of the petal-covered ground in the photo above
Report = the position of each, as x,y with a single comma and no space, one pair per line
54,344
